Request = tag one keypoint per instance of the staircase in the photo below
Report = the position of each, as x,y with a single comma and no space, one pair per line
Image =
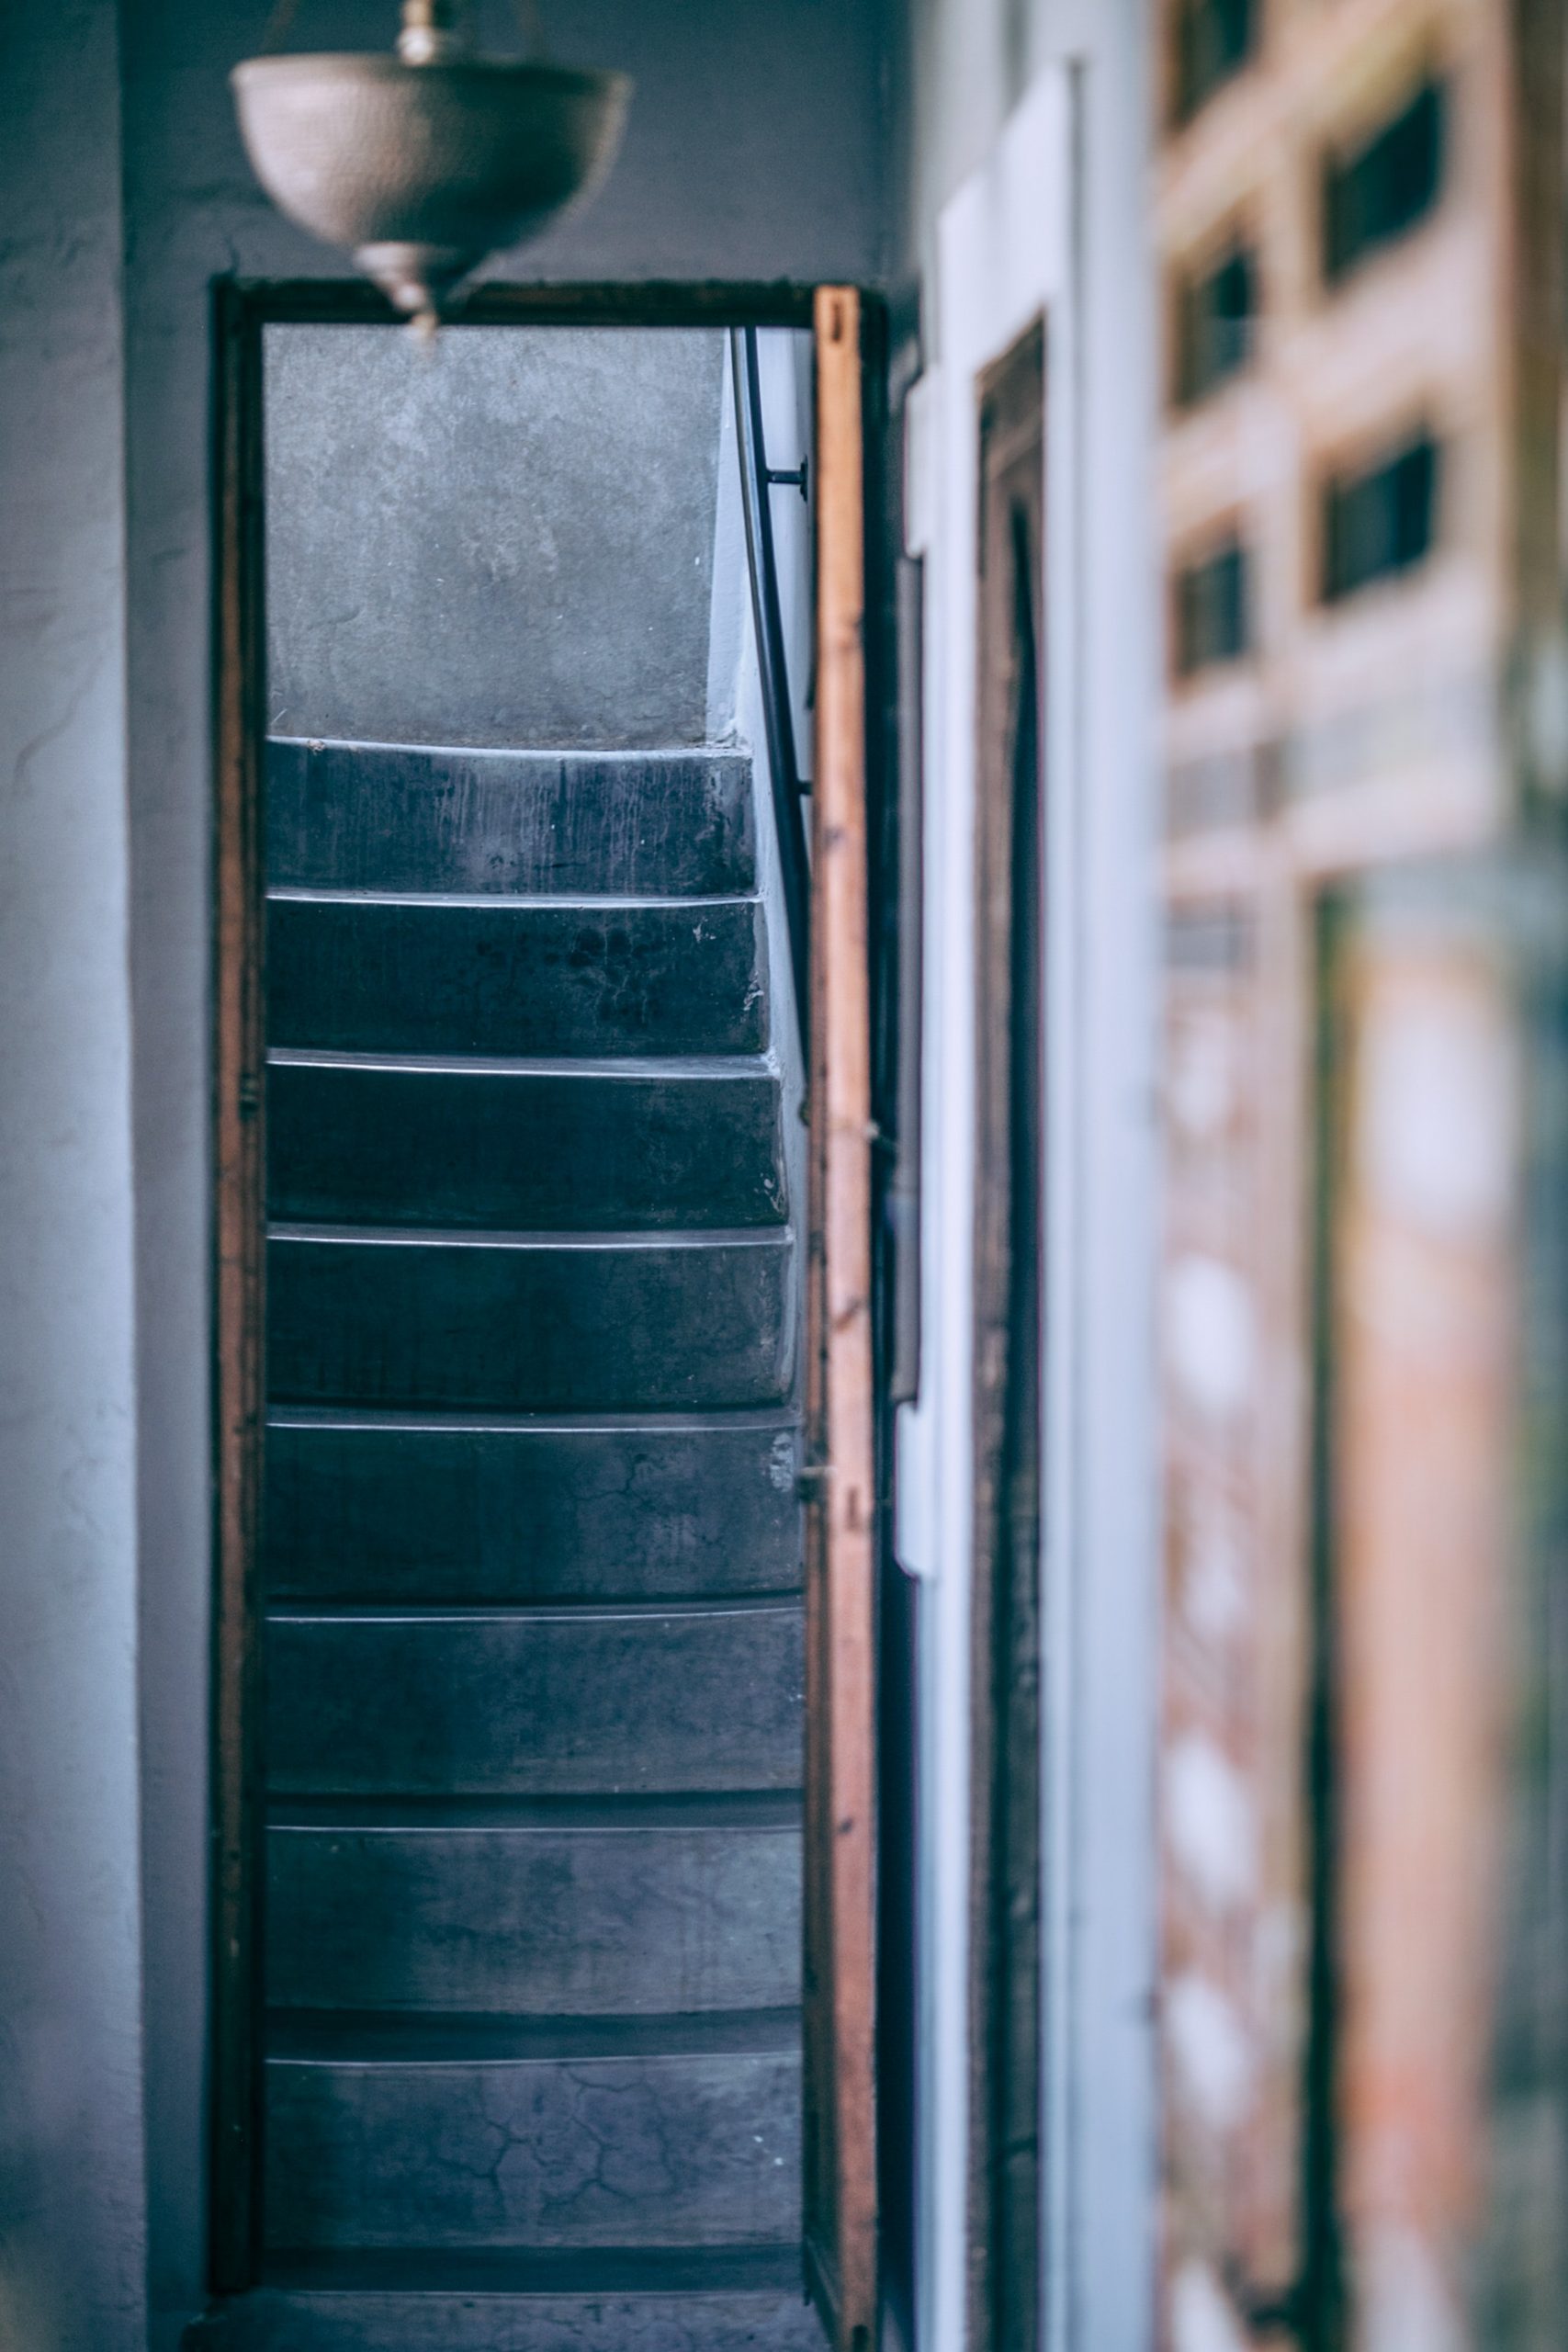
534,1645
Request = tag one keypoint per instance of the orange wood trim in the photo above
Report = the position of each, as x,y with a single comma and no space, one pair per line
239,1379
840,2188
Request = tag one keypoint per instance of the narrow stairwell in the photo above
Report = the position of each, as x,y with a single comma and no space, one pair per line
534,1637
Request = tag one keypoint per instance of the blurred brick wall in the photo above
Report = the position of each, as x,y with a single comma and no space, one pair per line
1359,512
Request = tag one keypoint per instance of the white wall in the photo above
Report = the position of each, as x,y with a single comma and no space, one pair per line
986,239
71,2145
754,151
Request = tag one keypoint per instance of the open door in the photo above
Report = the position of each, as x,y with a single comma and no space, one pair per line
1010,1216
840,2215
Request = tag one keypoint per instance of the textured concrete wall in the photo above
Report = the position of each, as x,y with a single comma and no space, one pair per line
510,541
71,2151
754,151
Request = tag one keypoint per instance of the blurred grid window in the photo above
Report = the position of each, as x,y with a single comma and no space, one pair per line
1383,522
1382,189
1214,620
1216,313
1213,40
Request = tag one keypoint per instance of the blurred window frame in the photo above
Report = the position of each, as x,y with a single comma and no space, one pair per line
1389,182
1211,42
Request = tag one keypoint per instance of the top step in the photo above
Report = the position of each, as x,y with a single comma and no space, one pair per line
416,817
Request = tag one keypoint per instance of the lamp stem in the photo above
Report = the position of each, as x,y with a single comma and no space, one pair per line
432,32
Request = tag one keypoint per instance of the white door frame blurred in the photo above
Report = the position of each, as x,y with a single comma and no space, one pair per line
1009,247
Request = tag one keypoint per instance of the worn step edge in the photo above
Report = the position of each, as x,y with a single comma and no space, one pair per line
377,2039
653,1068
407,1419
441,1236
530,1613
518,901
539,755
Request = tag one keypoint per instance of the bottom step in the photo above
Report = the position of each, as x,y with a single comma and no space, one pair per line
736,2299
542,2136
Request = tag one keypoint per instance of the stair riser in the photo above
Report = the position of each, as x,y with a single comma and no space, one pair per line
588,2152
364,976
558,1922
397,817
470,1515
450,2323
531,1152
639,1328
546,1706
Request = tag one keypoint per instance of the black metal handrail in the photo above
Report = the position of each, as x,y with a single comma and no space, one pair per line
789,789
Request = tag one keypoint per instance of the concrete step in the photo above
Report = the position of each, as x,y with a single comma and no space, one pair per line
396,1507
535,1702
418,817
529,1323
471,975
488,2133
715,2298
406,1140
574,1908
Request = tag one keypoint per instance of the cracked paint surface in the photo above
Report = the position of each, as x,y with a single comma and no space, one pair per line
648,2151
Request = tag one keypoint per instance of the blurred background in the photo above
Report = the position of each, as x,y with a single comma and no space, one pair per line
1359,215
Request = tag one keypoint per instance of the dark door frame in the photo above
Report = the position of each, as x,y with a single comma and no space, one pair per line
1009,1354
241,309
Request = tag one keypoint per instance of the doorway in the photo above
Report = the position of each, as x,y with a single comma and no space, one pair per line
514,1210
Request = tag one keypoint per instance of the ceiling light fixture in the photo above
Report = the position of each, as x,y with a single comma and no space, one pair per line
423,161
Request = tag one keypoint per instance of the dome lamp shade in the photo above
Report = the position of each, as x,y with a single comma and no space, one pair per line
423,161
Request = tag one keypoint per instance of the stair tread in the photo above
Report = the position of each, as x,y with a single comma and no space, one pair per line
598,1908
503,2136
566,2270
515,1321
388,1504
494,817
363,971
378,2037
460,2310
720,1811
557,1701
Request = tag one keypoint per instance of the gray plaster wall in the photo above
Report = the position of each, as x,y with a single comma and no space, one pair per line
72,2219
506,541
755,150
